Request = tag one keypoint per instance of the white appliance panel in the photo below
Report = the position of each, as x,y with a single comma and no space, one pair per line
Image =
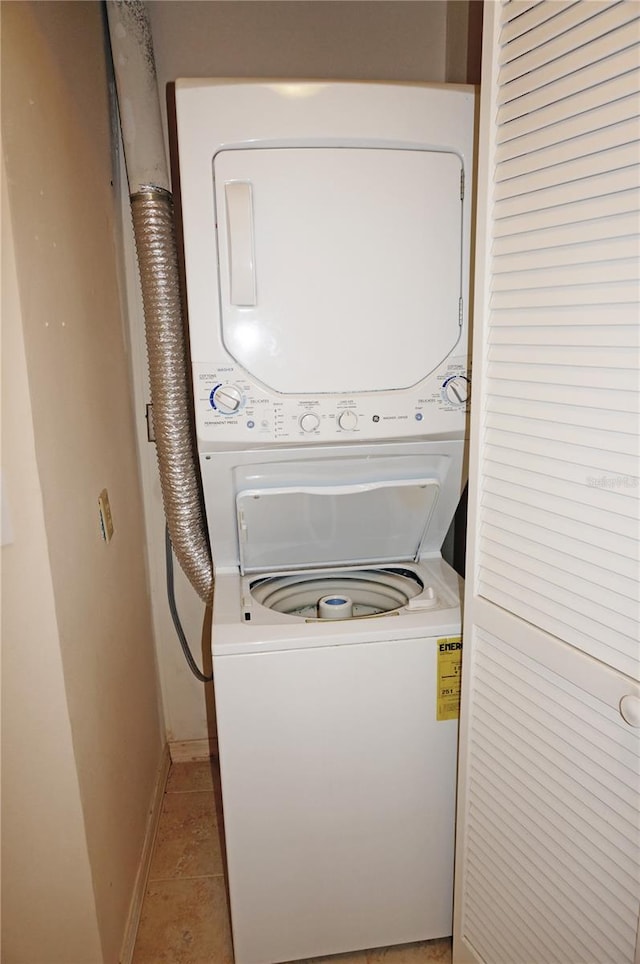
323,525
226,474
280,353
268,630
254,415
339,791
339,269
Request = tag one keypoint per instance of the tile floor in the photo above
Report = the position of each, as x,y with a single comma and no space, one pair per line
184,914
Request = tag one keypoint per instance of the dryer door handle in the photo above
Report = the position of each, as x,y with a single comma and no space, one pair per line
242,266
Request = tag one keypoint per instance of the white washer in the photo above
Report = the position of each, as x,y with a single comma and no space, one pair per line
326,232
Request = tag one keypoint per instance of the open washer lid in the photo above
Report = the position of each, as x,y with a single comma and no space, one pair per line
302,527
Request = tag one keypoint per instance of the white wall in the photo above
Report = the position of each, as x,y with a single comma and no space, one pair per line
379,40
383,40
42,822
82,734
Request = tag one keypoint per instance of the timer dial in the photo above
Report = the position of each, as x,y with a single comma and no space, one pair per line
456,390
227,399
309,422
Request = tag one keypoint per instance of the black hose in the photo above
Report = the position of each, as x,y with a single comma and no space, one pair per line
171,596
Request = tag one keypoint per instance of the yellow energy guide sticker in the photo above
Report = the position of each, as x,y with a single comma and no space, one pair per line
449,666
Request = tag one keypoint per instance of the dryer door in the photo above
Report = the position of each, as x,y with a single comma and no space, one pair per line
340,268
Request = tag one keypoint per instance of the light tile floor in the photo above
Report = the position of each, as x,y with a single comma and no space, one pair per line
184,915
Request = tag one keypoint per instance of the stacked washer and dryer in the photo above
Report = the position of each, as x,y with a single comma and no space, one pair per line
327,235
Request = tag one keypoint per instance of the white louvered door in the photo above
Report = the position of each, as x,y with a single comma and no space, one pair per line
548,844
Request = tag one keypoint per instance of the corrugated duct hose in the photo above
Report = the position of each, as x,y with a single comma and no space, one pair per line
154,229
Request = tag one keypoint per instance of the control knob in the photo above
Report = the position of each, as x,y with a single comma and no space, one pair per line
309,422
347,420
456,390
227,399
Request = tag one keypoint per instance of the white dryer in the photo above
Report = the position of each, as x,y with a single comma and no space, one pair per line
326,231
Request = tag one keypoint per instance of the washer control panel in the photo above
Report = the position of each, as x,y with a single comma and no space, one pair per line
232,408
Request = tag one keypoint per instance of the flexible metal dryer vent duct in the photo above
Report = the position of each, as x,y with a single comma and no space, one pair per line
153,224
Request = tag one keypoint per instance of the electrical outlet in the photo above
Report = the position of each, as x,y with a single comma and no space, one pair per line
6,530
151,428
106,522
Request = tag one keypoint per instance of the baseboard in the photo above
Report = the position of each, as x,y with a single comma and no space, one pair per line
188,751
140,886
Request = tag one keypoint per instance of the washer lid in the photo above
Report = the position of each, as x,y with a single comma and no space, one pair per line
309,526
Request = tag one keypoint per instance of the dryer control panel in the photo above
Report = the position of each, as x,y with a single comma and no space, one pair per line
232,408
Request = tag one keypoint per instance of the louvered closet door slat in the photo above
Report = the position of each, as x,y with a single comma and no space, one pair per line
563,215
591,637
551,811
565,747
578,416
595,639
620,156
615,400
572,376
506,891
584,436
544,482
506,895
559,575
567,110
549,454
588,613
537,14
567,789
541,149
569,316
503,543
615,270
560,141
555,494
553,527
579,295
603,231
572,51
533,506
562,18
538,834
583,336
564,718
587,931
518,200
575,355
504,464
514,9
565,93
608,553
